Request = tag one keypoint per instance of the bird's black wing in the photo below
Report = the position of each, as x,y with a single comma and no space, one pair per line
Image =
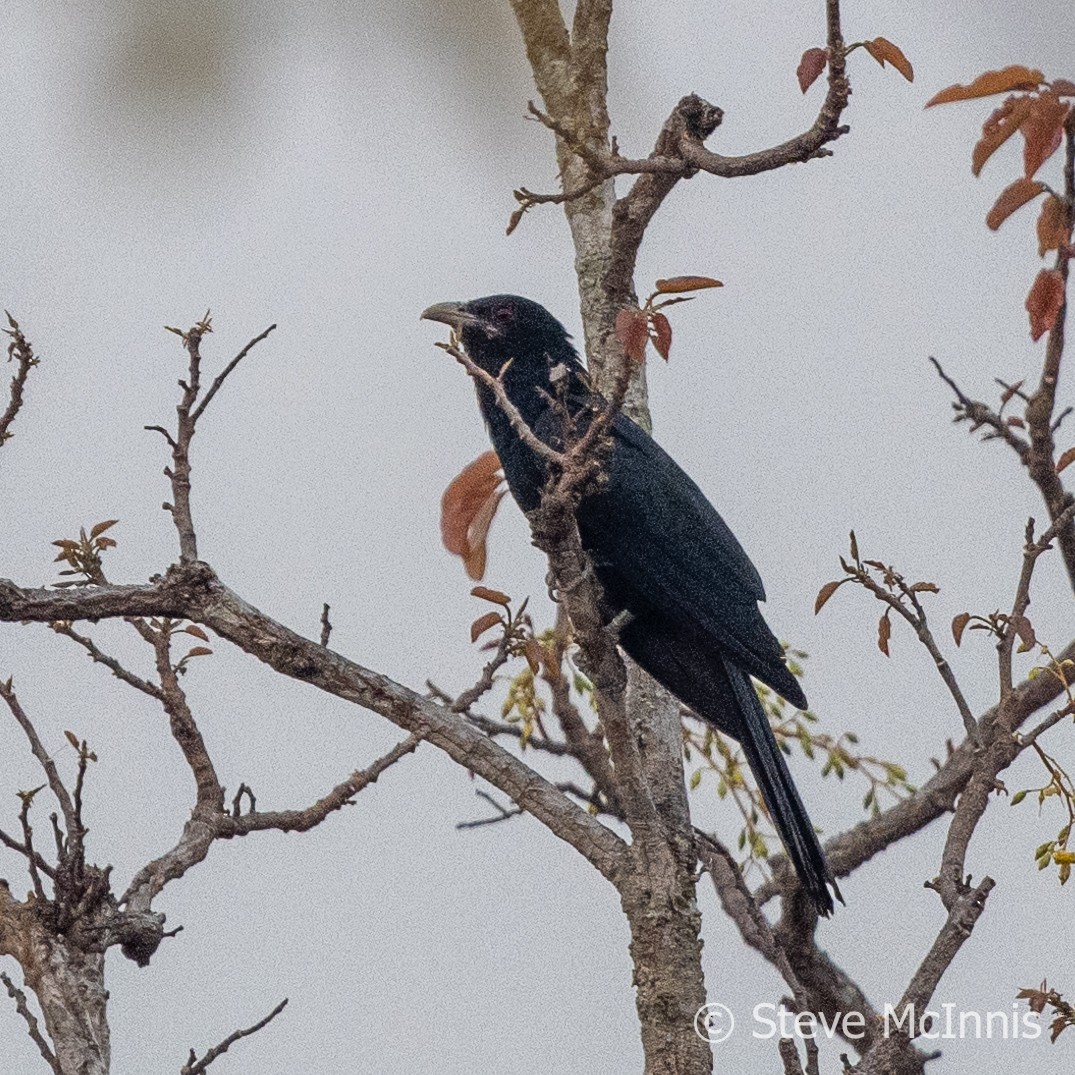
658,543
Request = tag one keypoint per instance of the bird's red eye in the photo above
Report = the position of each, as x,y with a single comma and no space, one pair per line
504,314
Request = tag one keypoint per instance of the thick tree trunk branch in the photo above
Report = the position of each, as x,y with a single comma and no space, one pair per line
193,592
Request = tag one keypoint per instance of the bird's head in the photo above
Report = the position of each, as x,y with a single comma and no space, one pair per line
502,327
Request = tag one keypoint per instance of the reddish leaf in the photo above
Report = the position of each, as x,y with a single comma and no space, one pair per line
482,624
884,632
1044,302
1017,422
196,631
467,509
925,587
1000,126
199,651
881,49
1003,81
477,532
632,331
813,62
1043,130
1065,460
959,625
825,593
495,596
1035,998
100,528
1011,198
661,334
1053,227
686,283
1024,630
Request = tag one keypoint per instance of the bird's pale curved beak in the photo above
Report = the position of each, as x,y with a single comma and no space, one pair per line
450,313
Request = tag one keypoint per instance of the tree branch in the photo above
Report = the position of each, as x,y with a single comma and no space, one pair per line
32,1025
20,350
193,592
194,1066
303,820
851,849
44,759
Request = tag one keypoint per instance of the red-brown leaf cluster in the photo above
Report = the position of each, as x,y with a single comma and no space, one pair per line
1040,113
467,509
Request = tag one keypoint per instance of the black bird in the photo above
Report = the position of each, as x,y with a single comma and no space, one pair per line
660,551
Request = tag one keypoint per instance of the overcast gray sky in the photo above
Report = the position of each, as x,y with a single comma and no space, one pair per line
336,168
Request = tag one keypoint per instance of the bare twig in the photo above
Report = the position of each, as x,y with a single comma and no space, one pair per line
962,916
100,657
502,813
10,842
894,592
20,350
326,625
1050,721
223,375
194,1066
740,907
32,1025
342,795
981,414
1017,624
191,407
32,856
44,759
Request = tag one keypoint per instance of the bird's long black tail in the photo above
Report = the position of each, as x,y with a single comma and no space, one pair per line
767,763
